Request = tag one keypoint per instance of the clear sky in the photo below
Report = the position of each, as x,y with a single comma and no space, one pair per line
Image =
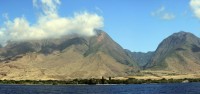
137,25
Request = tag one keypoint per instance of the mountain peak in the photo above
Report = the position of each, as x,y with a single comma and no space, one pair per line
178,39
175,46
182,34
185,37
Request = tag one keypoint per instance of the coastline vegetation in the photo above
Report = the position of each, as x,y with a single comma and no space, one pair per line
96,81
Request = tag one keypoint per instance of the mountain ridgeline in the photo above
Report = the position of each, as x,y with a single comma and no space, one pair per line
140,57
69,57
74,56
178,53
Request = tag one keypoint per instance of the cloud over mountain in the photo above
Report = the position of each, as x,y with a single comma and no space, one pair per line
162,14
49,24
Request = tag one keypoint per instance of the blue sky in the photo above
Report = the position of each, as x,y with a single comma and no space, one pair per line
137,25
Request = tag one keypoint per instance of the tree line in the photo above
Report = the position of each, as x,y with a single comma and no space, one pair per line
94,81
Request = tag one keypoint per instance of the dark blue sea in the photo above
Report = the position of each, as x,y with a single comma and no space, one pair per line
178,88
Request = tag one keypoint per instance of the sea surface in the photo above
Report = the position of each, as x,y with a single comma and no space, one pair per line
177,88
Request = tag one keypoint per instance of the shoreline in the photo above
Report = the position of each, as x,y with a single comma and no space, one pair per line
98,81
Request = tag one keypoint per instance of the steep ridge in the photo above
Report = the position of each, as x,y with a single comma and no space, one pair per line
179,53
68,57
140,58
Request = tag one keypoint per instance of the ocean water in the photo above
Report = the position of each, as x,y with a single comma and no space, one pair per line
177,88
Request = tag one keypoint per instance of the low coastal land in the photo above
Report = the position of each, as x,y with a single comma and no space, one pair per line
110,80
97,81
143,77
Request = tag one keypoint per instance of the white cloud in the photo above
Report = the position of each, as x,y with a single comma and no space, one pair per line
48,7
195,6
157,12
50,24
168,16
35,3
162,14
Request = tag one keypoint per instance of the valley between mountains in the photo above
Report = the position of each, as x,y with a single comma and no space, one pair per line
78,57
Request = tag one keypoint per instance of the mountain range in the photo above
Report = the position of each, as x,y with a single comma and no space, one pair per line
74,56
